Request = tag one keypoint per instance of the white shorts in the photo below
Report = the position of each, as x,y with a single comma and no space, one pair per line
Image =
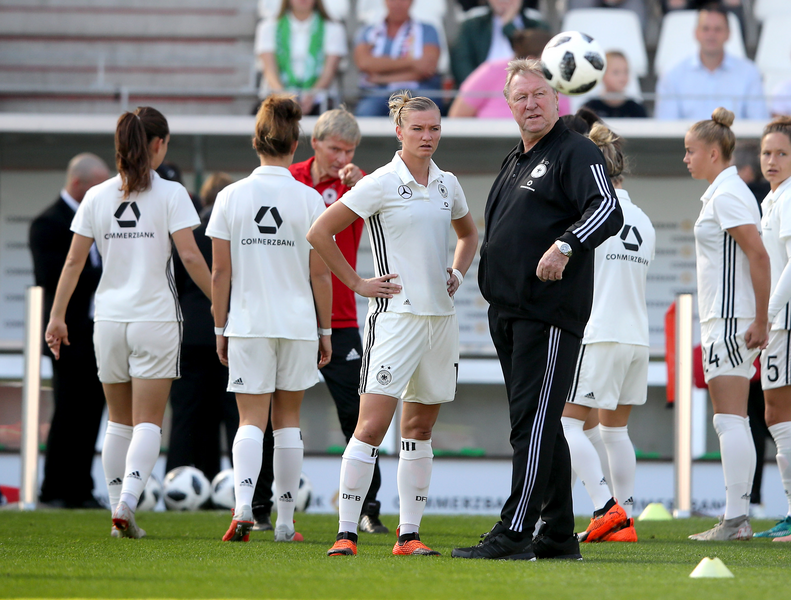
609,374
263,365
776,360
724,350
410,356
143,350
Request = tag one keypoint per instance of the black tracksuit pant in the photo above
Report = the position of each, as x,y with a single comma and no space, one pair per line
538,363
343,380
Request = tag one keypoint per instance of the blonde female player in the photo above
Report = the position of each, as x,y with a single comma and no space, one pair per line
134,218
733,294
270,290
411,345
612,369
776,360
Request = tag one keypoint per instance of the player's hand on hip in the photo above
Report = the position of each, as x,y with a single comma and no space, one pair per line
222,349
552,265
350,175
325,350
57,334
378,287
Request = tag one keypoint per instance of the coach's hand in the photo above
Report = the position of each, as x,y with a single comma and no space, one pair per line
552,265
57,334
350,175
222,349
378,287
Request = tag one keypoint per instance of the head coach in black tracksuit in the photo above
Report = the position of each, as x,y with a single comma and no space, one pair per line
548,209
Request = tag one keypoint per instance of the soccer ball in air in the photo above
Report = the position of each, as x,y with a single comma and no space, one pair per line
222,492
186,488
151,494
573,62
304,494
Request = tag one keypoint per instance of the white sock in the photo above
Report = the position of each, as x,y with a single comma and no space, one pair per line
248,448
140,460
114,449
736,447
288,468
781,433
585,462
594,435
623,464
357,471
414,476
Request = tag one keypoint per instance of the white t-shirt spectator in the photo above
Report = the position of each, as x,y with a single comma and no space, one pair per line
409,228
133,238
266,217
619,311
725,289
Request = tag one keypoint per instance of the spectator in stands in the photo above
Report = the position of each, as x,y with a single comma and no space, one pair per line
78,395
300,52
396,54
481,94
487,37
199,400
636,6
470,4
614,104
700,83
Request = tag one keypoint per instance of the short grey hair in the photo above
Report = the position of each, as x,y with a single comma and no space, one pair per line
339,123
522,66
83,166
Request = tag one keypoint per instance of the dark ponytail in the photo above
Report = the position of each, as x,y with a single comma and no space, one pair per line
277,125
133,134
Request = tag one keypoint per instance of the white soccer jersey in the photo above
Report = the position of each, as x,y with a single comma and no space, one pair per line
133,238
619,312
266,217
725,289
409,228
776,225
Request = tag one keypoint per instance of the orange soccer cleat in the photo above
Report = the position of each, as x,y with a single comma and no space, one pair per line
345,545
612,519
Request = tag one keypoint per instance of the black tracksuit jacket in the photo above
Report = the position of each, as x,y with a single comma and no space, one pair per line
559,190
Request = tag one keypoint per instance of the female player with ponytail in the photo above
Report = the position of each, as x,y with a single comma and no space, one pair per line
135,218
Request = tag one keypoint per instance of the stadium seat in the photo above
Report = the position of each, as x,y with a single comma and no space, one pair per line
773,56
677,39
763,10
462,15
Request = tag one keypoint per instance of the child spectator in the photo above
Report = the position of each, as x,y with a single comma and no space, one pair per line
614,104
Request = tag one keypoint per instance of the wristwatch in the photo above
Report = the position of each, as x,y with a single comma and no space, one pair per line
564,247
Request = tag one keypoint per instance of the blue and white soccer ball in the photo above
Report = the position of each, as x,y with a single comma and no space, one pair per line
186,488
222,492
151,495
573,62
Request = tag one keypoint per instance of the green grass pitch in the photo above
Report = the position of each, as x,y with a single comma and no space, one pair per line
70,554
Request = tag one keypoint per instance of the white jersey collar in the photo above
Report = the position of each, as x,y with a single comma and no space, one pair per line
623,195
272,170
725,174
403,172
772,197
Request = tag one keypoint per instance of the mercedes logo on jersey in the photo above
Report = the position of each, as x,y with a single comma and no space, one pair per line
627,229
135,213
405,191
274,217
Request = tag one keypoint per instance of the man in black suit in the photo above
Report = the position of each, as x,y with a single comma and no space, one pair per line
78,395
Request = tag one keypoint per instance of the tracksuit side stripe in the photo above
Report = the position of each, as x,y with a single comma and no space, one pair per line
601,214
533,453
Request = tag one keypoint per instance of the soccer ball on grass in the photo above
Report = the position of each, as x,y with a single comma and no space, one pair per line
222,492
186,488
151,494
573,62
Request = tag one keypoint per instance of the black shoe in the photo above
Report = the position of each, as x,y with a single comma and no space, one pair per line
497,545
545,547
369,519
263,520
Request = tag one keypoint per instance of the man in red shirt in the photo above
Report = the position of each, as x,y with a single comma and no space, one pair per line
331,173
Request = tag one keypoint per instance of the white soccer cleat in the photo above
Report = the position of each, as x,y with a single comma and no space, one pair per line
283,533
124,521
736,529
